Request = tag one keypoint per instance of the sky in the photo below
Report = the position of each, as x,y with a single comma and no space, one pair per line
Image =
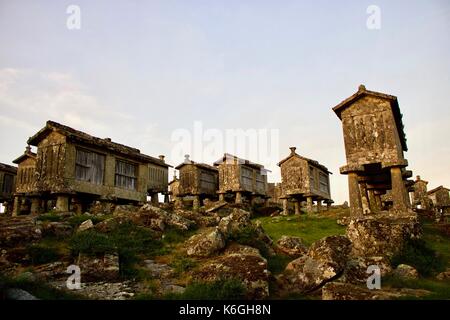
173,77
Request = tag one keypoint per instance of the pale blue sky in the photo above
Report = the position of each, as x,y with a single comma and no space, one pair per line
138,70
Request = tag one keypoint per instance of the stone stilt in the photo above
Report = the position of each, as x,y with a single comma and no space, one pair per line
238,197
297,207
309,204
398,190
364,198
196,203
221,196
62,203
166,198
354,195
372,202
154,198
328,205
319,206
378,202
16,206
35,206
285,207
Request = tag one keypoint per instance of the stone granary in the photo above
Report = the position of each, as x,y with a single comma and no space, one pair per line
374,145
76,169
7,185
440,199
304,179
197,180
26,199
242,178
274,192
174,187
419,194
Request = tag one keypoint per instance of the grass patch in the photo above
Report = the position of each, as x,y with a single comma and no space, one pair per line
420,255
439,289
276,264
249,236
309,228
41,253
229,289
50,217
181,265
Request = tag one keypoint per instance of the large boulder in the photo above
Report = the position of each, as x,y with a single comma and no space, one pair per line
238,262
85,225
234,223
356,269
381,235
405,271
58,229
291,246
347,291
205,244
148,212
325,260
199,218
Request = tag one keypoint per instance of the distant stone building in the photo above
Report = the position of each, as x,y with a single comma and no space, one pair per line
76,169
197,180
419,194
440,199
26,197
174,188
303,179
7,185
274,192
241,177
374,145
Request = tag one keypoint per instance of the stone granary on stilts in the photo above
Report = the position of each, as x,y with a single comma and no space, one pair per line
374,145
241,178
198,181
7,185
303,179
440,199
73,170
419,195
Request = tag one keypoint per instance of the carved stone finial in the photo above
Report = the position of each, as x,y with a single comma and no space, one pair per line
186,158
161,157
27,149
293,149
361,87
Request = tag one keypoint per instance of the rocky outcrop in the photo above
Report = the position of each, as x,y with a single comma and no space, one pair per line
291,246
57,229
347,291
85,225
200,219
239,262
18,230
325,260
444,275
105,267
148,212
405,271
356,269
205,244
381,236
234,223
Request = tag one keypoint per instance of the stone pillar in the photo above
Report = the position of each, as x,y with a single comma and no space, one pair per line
6,206
238,197
354,195
166,198
297,207
154,198
16,206
309,204
378,202
364,198
285,207
35,206
328,205
196,203
398,190
221,196
372,202
319,206
62,203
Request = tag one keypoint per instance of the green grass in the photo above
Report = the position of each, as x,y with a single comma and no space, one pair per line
230,289
308,227
440,290
182,264
276,264
437,241
50,216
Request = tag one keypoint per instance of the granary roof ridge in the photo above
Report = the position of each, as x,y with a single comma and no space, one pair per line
437,189
7,167
241,160
311,161
87,138
197,164
362,91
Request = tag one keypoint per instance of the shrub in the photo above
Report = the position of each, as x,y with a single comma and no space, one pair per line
41,253
418,254
50,216
223,289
